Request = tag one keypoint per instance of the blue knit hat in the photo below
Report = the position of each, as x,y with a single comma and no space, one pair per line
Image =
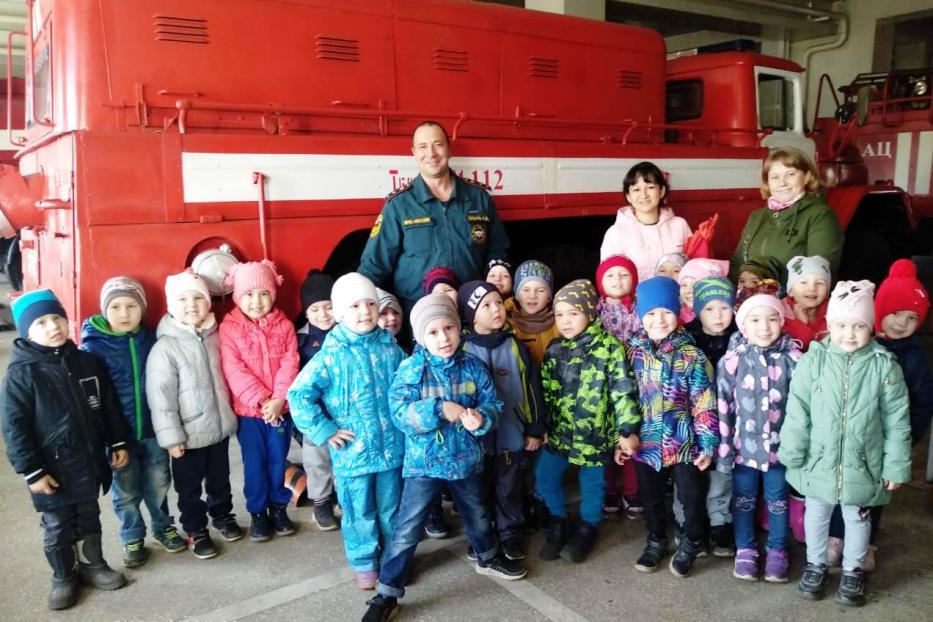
712,288
534,270
657,292
33,305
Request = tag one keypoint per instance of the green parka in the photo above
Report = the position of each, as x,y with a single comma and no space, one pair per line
847,427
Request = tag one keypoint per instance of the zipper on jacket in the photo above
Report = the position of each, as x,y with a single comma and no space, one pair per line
83,414
136,390
842,435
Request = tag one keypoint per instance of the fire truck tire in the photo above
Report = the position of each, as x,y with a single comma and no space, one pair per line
13,265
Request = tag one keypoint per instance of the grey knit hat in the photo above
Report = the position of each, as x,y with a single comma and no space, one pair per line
429,308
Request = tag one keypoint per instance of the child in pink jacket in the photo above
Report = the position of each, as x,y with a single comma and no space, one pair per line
259,352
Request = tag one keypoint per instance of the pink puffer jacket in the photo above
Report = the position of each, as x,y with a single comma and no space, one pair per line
645,244
260,359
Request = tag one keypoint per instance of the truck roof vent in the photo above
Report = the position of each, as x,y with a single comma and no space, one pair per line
626,79
180,29
337,48
451,60
540,67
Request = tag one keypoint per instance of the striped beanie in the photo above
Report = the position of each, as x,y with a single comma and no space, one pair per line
31,306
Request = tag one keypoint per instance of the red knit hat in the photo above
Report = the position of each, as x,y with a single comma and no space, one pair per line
901,291
611,262
437,275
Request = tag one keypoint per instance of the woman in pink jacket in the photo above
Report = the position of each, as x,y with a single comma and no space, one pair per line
644,231
259,353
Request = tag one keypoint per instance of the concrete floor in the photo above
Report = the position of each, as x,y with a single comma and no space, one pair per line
305,576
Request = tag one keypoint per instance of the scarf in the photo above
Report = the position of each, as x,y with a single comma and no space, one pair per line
776,206
533,324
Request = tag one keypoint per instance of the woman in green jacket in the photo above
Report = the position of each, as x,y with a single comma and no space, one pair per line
796,219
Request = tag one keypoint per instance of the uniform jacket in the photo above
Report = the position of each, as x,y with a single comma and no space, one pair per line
310,340
645,244
415,232
185,385
125,355
919,380
752,384
620,320
434,447
677,399
60,414
346,386
589,395
259,358
713,346
518,387
847,426
808,227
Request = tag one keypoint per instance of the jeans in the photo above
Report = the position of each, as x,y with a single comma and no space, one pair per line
65,526
747,482
264,448
145,478
549,482
718,498
858,532
417,495
203,469
370,506
688,482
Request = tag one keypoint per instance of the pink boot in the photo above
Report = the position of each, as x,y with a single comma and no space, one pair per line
796,511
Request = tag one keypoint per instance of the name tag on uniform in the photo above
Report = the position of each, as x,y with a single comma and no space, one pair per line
416,222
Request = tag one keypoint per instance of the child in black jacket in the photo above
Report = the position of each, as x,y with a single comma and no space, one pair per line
60,415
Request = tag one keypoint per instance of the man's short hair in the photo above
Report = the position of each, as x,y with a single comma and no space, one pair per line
431,122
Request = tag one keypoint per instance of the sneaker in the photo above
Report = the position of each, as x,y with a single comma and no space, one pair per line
776,566
282,524
513,548
634,510
436,527
612,504
381,609
870,561
201,544
501,568
680,536
812,585
834,552
134,554
851,590
228,528
746,565
471,554
260,529
650,558
170,540
366,580
723,540
324,515
684,556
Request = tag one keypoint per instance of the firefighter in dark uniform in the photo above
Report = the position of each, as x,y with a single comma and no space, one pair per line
439,219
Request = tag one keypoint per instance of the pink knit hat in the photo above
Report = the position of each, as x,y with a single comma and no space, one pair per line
253,275
758,300
701,268
852,300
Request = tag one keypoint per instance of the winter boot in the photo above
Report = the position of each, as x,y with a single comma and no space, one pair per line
684,557
580,543
851,590
558,530
655,549
64,592
812,584
93,569
723,539
282,524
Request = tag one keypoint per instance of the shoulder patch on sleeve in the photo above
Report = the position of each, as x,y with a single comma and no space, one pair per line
477,184
397,191
377,226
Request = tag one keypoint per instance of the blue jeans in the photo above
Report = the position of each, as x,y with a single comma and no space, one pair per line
370,506
746,483
417,496
549,484
145,478
265,449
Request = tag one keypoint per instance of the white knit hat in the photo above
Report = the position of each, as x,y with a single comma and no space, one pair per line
350,289
799,267
852,300
185,281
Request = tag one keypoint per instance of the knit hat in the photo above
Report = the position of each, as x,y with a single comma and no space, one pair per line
901,291
614,261
117,286
252,275
429,308
581,294
712,288
437,275
678,259
185,281
853,300
533,270
471,294
350,289
800,266
762,266
657,292
505,263
701,267
388,300
315,288
764,298
31,306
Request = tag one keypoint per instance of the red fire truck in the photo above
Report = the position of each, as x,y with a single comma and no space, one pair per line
165,133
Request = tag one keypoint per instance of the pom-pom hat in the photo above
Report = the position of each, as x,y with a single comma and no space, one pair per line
901,291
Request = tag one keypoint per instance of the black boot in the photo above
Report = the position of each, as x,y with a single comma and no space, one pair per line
684,557
93,569
580,543
558,529
282,524
655,549
64,592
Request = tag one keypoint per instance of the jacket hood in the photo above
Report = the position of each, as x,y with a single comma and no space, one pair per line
626,216
26,352
170,327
